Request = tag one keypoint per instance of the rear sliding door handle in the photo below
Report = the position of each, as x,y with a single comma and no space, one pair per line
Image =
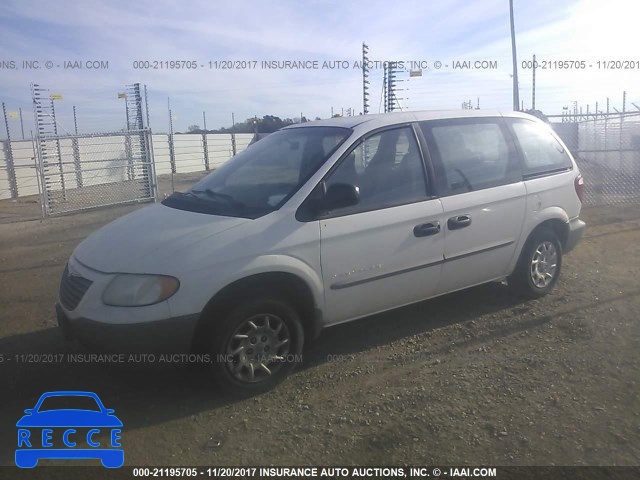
458,222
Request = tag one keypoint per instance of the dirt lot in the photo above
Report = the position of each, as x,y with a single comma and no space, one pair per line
468,378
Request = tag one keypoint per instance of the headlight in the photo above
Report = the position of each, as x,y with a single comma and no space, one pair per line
138,290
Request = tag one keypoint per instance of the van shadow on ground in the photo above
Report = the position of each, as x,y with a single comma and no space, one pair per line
145,394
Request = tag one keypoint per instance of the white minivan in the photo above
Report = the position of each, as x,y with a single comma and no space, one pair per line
322,223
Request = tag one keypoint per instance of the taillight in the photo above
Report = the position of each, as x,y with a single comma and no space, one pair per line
579,184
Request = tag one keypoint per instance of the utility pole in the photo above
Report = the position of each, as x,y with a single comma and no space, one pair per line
233,134
606,125
516,94
75,120
172,153
365,79
385,87
76,151
21,124
58,150
620,143
146,105
392,101
533,92
205,144
11,173
390,86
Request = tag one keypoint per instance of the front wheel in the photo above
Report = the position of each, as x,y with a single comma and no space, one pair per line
256,346
539,266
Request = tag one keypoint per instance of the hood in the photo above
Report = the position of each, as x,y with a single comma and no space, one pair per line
134,243
69,418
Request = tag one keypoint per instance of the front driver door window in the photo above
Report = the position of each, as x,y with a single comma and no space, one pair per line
387,168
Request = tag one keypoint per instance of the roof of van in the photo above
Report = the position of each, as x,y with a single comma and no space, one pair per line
382,119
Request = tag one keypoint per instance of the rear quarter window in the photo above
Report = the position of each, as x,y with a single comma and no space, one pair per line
541,152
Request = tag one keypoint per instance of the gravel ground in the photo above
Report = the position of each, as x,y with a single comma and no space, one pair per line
475,377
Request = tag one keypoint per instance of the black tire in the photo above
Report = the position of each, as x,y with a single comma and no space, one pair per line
526,280
277,323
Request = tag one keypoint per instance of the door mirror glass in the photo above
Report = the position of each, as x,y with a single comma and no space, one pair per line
341,195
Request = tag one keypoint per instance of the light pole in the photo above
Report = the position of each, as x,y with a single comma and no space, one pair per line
516,96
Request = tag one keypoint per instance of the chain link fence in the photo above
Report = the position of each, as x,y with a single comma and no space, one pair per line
188,157
18,172
104,169
60,170
607,151
86,171
195,152
77,172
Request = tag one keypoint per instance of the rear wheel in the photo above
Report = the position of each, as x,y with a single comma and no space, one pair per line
256,345
539,266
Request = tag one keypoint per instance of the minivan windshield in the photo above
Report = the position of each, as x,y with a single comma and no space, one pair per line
263,177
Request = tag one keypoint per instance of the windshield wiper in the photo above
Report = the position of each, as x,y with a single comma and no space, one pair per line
222,196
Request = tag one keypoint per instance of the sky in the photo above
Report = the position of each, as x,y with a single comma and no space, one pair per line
204,31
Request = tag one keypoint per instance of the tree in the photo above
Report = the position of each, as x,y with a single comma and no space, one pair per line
266,124
194,129
537,113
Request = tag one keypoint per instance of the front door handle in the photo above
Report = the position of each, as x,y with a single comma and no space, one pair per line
426,229
458,222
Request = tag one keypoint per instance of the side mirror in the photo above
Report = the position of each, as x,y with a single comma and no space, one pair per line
109,411
29,411
340,195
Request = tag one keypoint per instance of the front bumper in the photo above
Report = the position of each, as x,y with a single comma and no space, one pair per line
106,328
574,234
173,335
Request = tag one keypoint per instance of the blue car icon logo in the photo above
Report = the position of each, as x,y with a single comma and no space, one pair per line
69,425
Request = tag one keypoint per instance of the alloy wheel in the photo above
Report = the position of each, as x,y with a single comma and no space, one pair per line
544,264
258,348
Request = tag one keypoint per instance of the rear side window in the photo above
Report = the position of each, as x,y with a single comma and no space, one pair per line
470,154
541,152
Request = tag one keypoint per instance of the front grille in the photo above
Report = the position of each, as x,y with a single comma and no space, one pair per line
72,289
